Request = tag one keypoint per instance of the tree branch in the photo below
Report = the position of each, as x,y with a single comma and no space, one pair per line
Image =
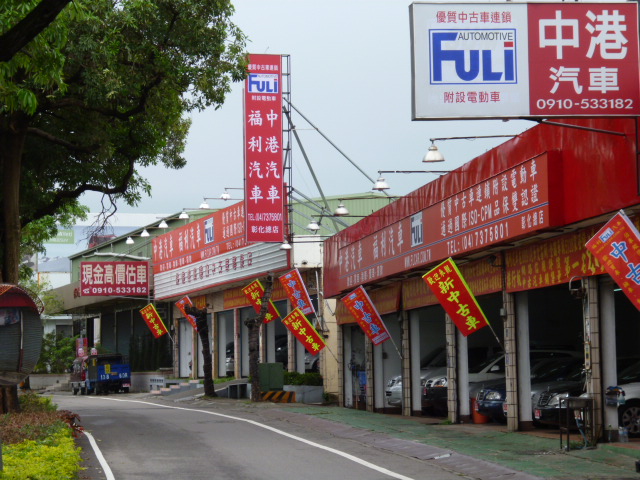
15,39
58,141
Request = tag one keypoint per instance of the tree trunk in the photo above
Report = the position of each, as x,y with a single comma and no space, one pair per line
254,324
203,331
12,136
9,399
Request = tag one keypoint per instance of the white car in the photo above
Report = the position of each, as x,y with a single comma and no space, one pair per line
430,365
629,412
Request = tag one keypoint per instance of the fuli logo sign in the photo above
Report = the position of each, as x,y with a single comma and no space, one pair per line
263,83
473,56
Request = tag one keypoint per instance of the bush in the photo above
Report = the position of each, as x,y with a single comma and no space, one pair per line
37,443
295,378
57,355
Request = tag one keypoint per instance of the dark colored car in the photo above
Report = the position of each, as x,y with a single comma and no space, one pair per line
491,397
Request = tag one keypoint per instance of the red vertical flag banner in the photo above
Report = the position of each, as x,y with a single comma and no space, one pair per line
154,322
361,307
264,194
297,291
617,247
302,329
181,304
456,298
254,292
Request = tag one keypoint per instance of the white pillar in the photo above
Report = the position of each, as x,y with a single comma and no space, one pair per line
96,330
378,379
348,372
524,360
608,345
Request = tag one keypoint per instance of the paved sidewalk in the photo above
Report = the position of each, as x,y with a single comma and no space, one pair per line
484,451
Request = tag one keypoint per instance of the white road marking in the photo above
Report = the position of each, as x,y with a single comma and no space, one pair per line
101,459
348,456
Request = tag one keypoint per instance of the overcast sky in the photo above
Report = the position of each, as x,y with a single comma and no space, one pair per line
351,77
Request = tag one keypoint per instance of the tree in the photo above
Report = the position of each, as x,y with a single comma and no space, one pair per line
253,326
200,315
17,37
100,93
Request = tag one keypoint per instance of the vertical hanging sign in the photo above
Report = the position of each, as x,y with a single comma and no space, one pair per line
363,310
617,247
264,194
254,292
154,322
297,291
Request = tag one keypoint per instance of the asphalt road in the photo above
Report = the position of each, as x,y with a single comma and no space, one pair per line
143,438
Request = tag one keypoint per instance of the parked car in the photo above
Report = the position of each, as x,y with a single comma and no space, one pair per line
311,362
491,397
629,412
282,350
431,363
229,360
435,391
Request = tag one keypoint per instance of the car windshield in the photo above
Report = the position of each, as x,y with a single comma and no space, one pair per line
479,367
552,369
630,374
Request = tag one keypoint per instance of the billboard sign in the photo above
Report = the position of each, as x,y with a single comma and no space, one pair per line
479,60
264,173
114,279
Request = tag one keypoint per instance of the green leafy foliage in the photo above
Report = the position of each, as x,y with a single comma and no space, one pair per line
309,378
57,355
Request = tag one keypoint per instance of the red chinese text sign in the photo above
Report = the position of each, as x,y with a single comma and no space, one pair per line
361,307
456,298
264,179
154,322
254,292
302,329
617,247
296,291
114,278
181,304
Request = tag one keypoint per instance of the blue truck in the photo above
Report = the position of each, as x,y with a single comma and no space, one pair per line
101,374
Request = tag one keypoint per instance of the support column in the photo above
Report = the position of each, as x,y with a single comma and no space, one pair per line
592,351
347,387
378,379
608,345
411,387
369,361
516,339
463,377
452,375
342,364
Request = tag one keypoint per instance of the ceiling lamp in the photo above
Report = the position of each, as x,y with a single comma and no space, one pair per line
225,195
285,245
163,224
129,241
184,215
313,226
204,205
341,210
381,185
433,155
144,233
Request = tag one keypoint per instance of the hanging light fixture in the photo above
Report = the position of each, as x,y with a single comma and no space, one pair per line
163,224
433,154
380,185
285,245
184,215
225,195
204,205
144,233
341,210
129,241
313,226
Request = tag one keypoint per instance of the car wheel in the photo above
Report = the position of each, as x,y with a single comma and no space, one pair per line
75,391
629,417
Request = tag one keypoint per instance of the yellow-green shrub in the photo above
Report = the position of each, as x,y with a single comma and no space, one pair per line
56,458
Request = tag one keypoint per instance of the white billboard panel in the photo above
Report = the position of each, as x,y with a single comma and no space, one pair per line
506,60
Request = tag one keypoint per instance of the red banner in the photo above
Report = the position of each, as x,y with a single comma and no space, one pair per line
361,307
300,326
181,304
456,298
153,320
617,248
264,174
254,292
297,291
114,278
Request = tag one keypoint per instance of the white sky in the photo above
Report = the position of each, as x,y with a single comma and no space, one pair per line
351,77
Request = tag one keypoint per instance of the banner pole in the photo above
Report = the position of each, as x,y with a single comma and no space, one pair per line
496,337
394,344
